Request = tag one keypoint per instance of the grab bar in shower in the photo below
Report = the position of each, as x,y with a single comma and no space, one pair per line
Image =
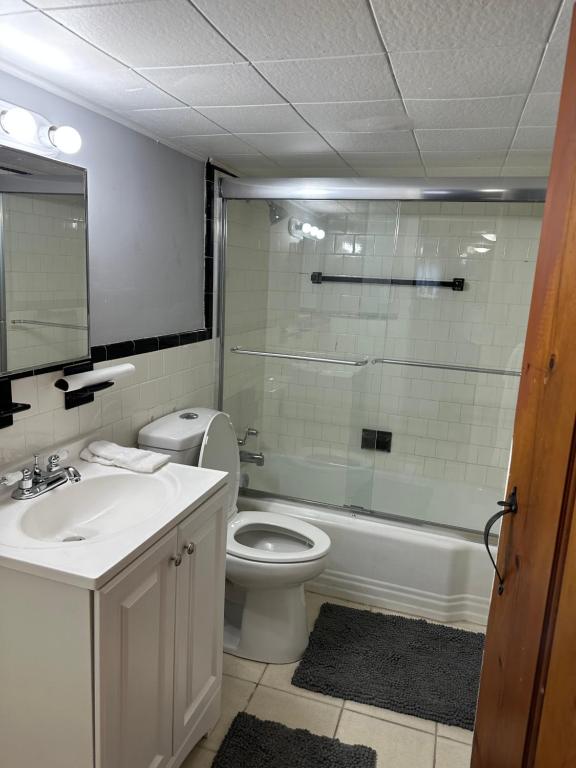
456,284
445,366
307,358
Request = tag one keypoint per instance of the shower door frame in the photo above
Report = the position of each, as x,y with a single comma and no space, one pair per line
481,189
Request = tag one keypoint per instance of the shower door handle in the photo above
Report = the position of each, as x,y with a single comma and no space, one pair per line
510,505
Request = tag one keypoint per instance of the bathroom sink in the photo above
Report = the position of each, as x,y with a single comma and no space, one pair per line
93,507
84,533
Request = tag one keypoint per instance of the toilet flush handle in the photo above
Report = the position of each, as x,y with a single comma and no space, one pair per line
189,548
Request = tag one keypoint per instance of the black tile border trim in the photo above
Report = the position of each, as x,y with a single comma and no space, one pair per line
129,348
149,344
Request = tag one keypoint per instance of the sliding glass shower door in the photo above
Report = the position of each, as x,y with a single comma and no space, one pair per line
376,347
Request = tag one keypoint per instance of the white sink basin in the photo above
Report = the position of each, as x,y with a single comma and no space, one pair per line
93,507
84,533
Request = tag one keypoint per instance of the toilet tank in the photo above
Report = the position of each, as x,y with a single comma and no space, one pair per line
177,434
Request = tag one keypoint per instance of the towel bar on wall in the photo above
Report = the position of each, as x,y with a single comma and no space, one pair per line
445,366
456,284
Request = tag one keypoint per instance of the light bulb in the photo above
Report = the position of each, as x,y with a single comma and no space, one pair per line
65,138
19,124
306,228
320,235
480,249
314,231
489,236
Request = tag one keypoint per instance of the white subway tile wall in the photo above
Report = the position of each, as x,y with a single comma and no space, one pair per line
45,268
450,425
164,381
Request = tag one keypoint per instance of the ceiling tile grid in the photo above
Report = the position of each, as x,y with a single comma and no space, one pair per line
360,87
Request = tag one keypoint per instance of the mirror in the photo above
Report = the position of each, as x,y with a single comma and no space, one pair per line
43,262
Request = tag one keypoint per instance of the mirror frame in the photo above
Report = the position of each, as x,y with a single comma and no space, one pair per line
56,364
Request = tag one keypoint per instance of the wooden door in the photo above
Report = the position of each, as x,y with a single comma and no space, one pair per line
199,620
523,656
134,661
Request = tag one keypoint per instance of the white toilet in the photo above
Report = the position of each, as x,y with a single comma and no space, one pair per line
269,556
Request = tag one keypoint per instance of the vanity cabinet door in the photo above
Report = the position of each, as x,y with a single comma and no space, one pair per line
134,661
199,622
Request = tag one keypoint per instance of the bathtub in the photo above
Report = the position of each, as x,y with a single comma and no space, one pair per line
402,566
342,482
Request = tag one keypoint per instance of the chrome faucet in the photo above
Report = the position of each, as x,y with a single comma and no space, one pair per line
250,432
36,481
252,458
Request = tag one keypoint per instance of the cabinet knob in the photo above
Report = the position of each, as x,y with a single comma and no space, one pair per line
189,548
176,559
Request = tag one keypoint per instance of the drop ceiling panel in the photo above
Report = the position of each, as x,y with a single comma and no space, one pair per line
530,137
356,116
252,163
299,29
286,143
466,159
529,157
466,73
216,85
121,89
362,160
49,4
214,146
424,25
323,160
13,6
550,73
169,123
262,119
499,111
562,28
344,78
465,140
541,109
151,33
383,141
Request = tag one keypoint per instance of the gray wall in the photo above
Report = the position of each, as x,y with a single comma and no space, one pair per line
145,222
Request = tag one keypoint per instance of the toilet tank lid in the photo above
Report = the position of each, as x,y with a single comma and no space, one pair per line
177,431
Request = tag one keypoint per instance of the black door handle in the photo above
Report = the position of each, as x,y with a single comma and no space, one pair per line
508,506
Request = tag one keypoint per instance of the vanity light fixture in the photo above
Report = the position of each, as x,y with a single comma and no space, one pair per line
23,128
19,124
65,138
303,229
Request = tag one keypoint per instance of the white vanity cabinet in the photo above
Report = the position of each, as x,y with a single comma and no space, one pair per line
125,676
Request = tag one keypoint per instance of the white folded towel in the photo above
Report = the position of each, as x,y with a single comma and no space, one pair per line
111,454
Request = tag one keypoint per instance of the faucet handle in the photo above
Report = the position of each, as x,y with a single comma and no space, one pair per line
250,432
53,462
10,478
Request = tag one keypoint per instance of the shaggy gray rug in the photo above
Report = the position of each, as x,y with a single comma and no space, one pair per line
254,743
407,665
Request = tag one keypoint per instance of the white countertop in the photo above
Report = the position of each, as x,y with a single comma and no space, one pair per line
92,563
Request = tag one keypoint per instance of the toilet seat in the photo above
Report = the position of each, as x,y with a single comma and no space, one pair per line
264,537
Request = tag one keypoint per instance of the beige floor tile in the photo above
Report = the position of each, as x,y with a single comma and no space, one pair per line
294,711
199,758
279,676
395,745
451,754
243,668
314,601
235,695
428,726
455,734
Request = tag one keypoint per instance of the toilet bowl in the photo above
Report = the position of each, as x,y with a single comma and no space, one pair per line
269,556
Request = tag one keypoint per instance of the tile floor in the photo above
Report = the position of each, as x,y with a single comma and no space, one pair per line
265,690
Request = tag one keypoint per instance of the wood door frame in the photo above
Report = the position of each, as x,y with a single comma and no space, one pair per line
533,543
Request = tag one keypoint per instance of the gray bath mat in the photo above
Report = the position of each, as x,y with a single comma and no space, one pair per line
254,743
407,665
